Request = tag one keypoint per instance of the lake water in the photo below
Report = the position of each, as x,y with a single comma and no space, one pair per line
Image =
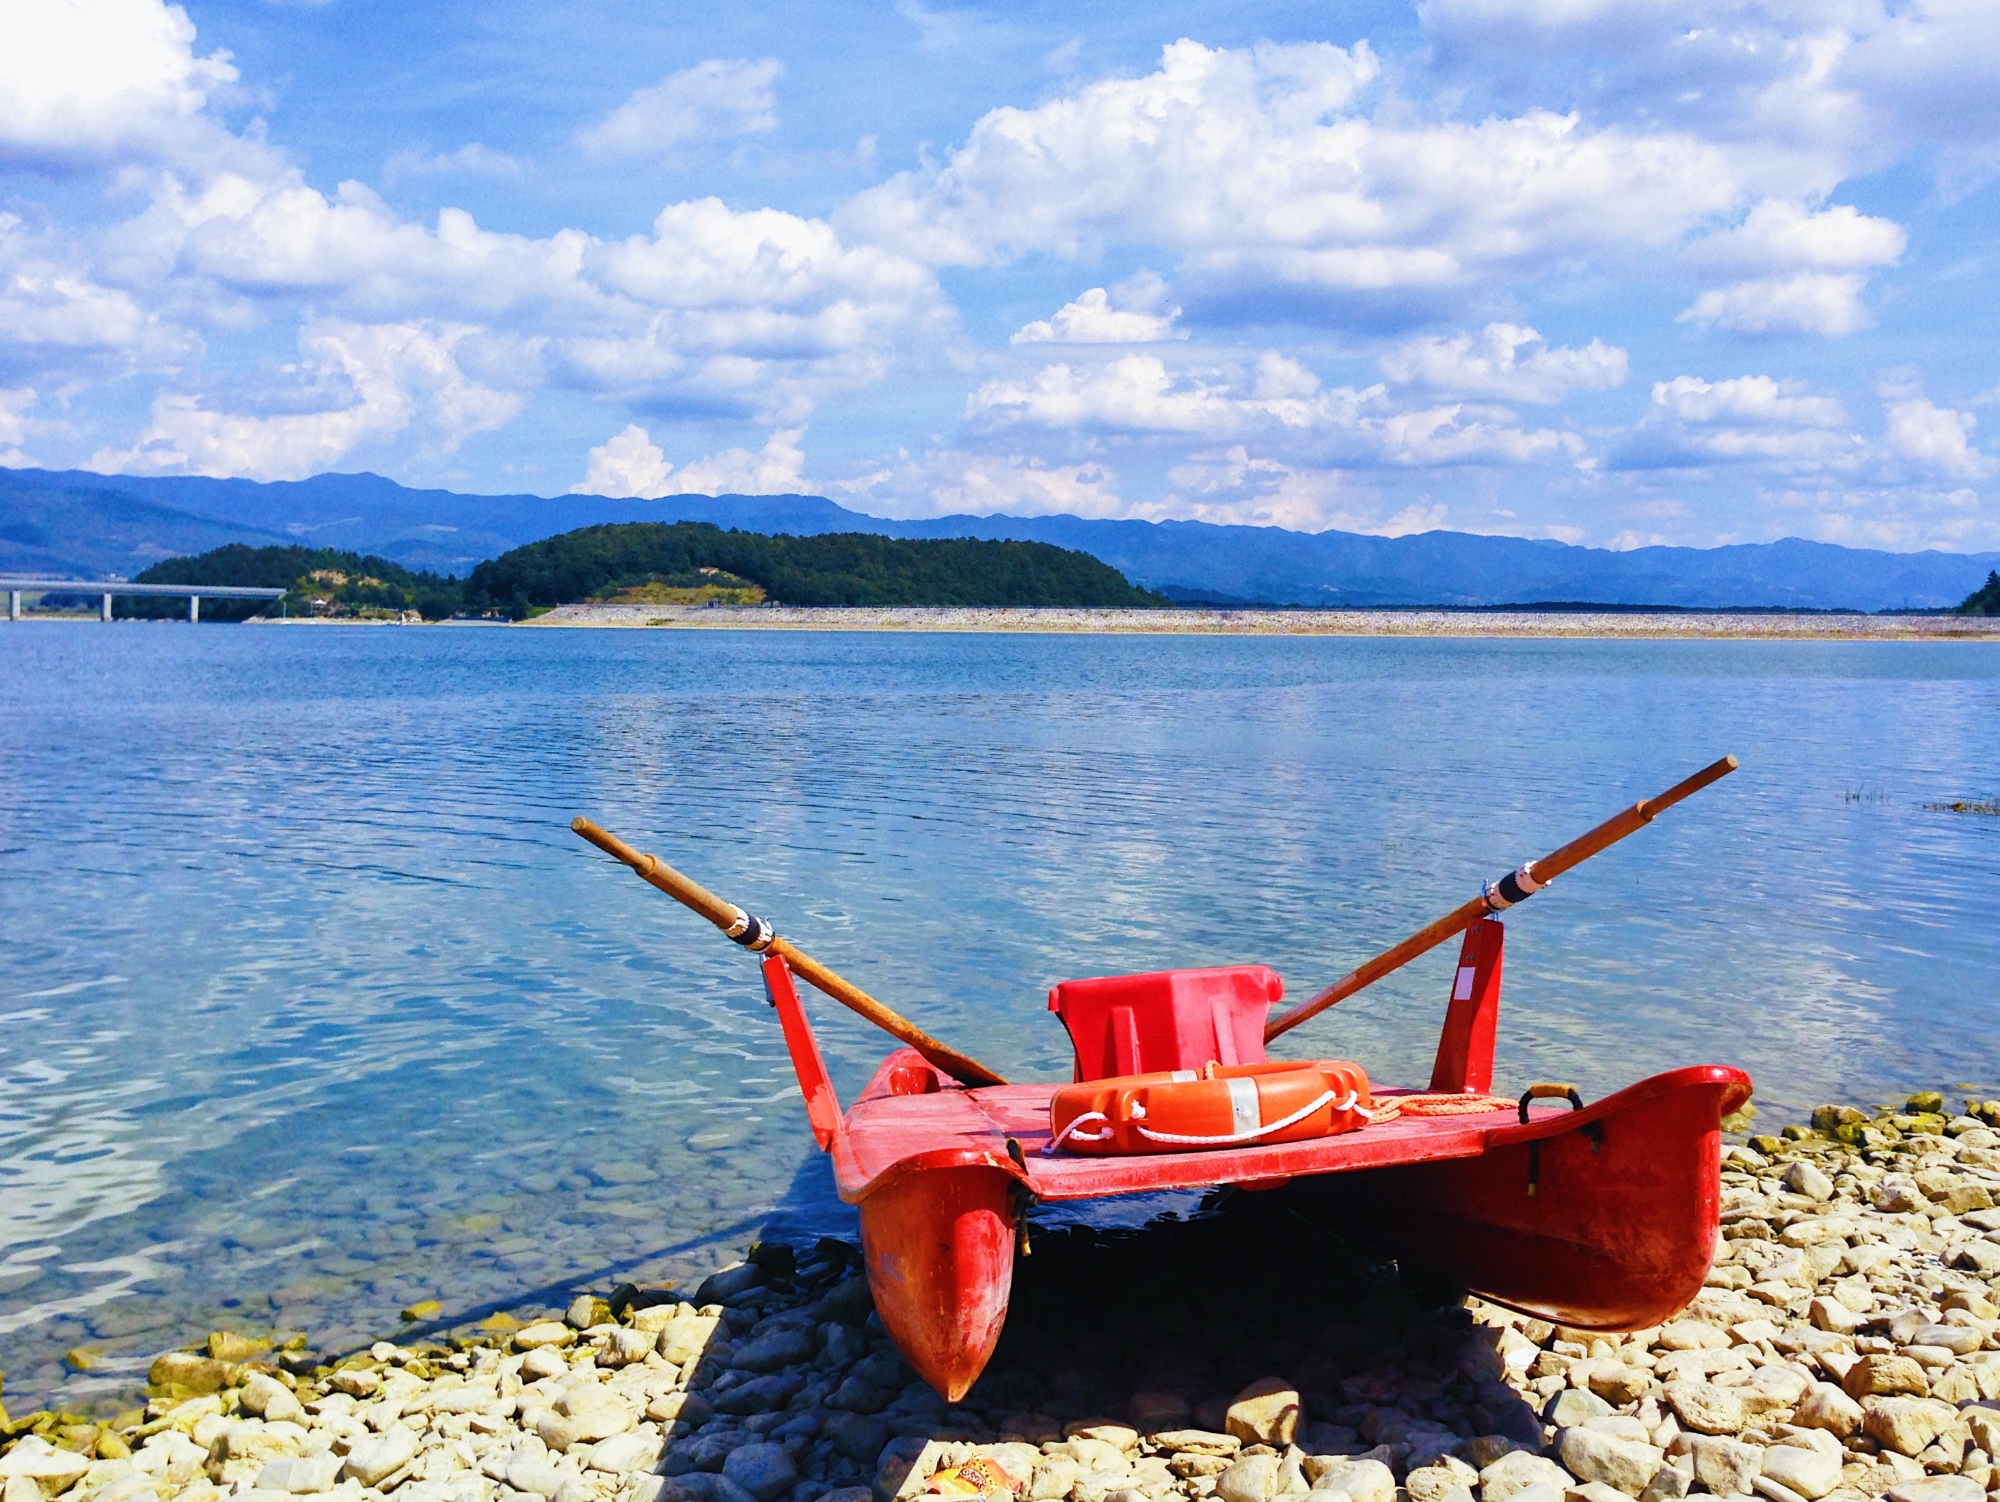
313,1007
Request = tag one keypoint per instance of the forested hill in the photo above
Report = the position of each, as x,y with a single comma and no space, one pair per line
656,559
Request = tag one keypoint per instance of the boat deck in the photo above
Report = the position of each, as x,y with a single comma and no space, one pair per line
897,1125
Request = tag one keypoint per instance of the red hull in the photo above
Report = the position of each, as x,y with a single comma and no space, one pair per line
1604,1218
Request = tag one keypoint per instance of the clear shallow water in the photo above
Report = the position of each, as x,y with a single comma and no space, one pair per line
312,1006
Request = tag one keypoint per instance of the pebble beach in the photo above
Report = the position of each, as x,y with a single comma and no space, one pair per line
1846,1346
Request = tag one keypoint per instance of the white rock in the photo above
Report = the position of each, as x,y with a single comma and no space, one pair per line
1515,1472
1590,1455
1362,1480
542,1362
300,1473
1938,1489
35,1459
1725,1466
270,1398
623,1347
1254,1478
375,1459
634,1450
1810,1473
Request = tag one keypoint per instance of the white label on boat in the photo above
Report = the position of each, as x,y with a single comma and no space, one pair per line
1462,989
1243,1106
1184,1076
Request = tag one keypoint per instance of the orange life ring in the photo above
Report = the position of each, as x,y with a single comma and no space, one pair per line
1238,1105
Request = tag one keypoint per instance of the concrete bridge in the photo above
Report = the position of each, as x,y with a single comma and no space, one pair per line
18,585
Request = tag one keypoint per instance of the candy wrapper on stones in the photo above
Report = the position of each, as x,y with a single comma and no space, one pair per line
978,1477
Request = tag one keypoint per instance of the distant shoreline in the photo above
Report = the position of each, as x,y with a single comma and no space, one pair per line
1215,622
1581,625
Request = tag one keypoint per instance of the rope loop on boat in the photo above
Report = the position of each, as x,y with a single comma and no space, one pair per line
1515,886
750,931
1049,1148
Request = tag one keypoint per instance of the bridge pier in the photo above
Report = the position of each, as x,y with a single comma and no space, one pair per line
107,608
194,610
13,604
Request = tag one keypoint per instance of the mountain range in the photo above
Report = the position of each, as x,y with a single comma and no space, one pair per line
81,525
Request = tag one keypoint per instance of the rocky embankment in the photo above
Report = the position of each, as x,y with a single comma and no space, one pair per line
1846,1347
1196,621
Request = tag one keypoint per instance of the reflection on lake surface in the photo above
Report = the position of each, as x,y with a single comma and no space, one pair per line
314,1008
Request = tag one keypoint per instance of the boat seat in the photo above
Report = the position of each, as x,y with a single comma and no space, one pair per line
1170,1019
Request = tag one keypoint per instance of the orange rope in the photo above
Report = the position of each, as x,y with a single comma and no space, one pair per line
1451,1105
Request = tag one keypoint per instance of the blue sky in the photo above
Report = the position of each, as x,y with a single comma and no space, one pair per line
1613,271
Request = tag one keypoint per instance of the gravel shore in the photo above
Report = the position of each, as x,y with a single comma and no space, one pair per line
1192,622
1846,1347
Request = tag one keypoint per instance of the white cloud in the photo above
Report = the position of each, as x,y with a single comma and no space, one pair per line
1254,167
1821,259
760,309
1138,394
1020,485
1233,487
14,426
1933,438
1753,399
1493,364
47,305
627,464
389,376
94,80
1809,302
1778,234
631,464
1694,423
1140,315
1279,400
717,100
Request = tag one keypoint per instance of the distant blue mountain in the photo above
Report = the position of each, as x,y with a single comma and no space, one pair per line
45,523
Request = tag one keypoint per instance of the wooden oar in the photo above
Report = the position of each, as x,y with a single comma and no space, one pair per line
755,933
1514,887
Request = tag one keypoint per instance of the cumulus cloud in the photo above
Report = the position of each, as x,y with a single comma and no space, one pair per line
86,81
1810,302
388,377
717,100
1933,438
1825,256
630,464
48,304
1694,423
1506,361
1258,169
1277,400
1134,312
1023,485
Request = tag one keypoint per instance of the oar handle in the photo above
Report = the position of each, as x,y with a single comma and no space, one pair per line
754,933
1514,887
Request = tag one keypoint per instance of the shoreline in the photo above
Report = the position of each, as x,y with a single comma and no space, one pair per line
1846,1346
1206,622
1606,625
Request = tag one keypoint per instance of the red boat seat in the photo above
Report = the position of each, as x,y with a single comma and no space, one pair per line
1170,1019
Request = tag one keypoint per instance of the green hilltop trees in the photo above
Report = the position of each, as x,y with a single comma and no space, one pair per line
596,563
1984,600
834,568
318,581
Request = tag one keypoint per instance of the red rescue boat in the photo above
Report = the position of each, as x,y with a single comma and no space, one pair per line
1601,1216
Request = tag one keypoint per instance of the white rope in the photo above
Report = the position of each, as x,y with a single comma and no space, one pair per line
1071,1131
1252,1135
